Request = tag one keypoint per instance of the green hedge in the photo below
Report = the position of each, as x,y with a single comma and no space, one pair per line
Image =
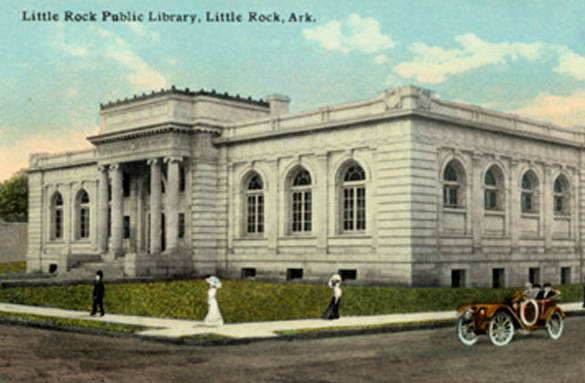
12,267
243,301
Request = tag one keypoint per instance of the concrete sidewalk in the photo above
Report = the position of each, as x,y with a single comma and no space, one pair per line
177,328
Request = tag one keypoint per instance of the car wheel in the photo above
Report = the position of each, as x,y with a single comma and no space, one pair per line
465,332
555,325
501,329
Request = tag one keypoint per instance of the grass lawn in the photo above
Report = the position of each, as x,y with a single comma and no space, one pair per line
72,322
244,301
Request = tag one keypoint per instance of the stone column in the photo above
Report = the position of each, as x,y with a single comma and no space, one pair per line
102,207
117,213
172,205
155,206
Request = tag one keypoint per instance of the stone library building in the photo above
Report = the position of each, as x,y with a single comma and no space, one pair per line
403,188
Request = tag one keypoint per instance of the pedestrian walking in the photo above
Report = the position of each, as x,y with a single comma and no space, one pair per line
97,294
332,310
213,317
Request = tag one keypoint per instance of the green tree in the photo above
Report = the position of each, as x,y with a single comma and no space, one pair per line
14,198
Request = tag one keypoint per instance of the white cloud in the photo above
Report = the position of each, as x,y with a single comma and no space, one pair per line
142,76
362,34
564,110
571,64
435,64
59,43
380,59
139,29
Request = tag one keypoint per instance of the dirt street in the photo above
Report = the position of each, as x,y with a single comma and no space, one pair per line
32,355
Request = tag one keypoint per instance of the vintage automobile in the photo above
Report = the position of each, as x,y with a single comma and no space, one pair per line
500,320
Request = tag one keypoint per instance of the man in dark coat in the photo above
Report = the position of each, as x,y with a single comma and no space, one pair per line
98,293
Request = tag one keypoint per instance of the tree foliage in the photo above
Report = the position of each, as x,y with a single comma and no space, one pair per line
14,198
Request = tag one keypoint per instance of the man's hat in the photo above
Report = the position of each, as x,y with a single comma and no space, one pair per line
100,273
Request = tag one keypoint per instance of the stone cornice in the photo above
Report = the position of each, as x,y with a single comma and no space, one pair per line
397,114
151,130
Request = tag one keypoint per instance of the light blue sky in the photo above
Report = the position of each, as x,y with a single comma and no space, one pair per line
528,58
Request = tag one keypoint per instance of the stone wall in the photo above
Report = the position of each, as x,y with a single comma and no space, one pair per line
13,242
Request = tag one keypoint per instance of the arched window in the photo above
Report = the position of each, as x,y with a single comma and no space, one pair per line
353,192
561,196
529,196
57,216
493,183
255,205
82,207
453,185
301,201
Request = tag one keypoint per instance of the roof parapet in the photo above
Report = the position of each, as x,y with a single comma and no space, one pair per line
186,92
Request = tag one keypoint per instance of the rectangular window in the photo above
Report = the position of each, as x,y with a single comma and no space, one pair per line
251,214
126,184
534,275
181,225
565,275
498,276
255,222
247,273
490,200
126,226
451,195
527,205
361,209
182,182
260,227
84,222
294,274
348,274
457,278
301,211
348,209
354,208
307,212
58,223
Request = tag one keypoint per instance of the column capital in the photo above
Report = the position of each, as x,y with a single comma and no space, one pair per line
114,167
152,161
103,168
173,159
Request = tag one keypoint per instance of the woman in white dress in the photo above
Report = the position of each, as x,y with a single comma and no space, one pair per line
213,317
332,310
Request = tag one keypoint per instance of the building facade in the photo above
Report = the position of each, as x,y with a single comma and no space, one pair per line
403,188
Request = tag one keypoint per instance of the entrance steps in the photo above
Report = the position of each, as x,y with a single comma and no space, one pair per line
111,269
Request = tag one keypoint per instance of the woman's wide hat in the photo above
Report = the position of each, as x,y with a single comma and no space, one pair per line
335,279
214,281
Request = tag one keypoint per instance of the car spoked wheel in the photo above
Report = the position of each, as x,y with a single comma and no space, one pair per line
555,325
501,329
465,329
